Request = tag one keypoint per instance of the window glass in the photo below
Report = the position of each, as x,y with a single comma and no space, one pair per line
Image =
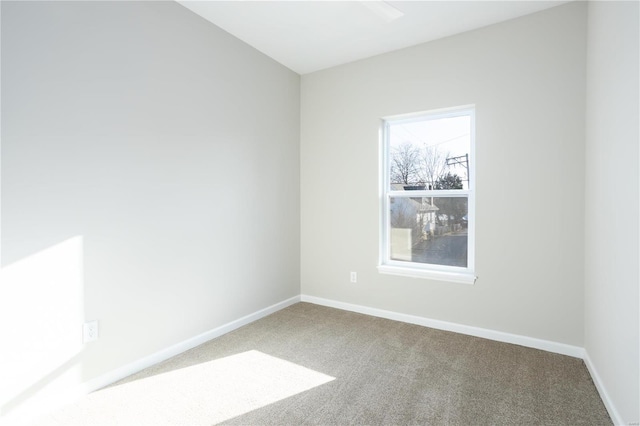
430,153
428,199
431,230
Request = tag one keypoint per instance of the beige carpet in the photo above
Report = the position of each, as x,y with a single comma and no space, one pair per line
309,364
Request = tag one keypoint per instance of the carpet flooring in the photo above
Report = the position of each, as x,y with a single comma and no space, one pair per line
313,365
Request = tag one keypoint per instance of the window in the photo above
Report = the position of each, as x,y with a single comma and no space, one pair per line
427,195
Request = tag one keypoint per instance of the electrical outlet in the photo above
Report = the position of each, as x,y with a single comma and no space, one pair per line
90,331
354,277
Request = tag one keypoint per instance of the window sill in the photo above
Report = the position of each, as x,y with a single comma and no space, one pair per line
456,277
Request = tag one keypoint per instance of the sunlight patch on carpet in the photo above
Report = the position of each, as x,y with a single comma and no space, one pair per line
206,393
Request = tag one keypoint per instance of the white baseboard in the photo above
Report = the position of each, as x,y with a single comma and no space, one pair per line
530,342
183,346
33,411
545,345
608,403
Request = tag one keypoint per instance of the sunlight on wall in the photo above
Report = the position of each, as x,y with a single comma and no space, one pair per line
206,393
41,316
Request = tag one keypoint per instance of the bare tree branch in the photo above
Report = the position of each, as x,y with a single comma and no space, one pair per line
405,163
433,164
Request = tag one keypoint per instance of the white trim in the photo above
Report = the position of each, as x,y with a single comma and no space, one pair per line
471,202
178,348
516,339
434,114
414,272
604,395
433,193
385,263
39,408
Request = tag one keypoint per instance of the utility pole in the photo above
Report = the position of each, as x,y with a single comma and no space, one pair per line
461,160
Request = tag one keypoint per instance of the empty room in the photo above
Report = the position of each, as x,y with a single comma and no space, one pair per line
320,212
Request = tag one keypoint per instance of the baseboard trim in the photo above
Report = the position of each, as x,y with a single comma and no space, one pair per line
34,411
178,348
530,342
162,355
604,395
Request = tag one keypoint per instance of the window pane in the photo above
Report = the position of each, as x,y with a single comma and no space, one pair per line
430,154
430,230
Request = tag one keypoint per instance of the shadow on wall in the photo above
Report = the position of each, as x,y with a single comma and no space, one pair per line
41,316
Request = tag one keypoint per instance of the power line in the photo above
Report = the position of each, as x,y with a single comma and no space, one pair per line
460,160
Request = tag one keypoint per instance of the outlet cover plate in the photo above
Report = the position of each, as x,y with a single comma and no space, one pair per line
90,331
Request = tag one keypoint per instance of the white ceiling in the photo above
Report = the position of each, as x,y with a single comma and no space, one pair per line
308,36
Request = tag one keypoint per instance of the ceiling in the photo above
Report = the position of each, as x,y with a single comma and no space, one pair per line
308,36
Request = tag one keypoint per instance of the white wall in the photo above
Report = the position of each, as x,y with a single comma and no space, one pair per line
151,162
150,180
527,80
611,205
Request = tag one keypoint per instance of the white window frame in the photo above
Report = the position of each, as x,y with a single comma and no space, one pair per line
421,270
